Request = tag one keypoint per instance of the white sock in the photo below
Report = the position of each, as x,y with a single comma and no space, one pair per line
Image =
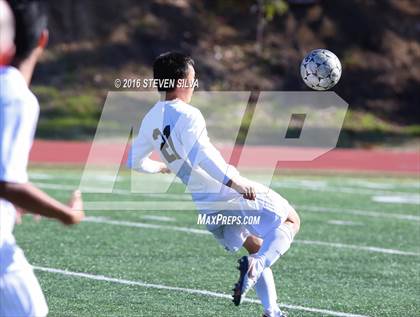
275,244
266,291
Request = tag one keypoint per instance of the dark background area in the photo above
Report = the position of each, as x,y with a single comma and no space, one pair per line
94,42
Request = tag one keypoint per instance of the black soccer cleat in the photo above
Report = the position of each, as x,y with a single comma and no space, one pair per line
237,290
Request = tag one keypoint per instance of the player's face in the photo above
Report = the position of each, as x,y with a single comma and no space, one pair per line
7,33
190,78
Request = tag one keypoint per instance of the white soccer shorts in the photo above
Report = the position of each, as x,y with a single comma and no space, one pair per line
272,209
20,293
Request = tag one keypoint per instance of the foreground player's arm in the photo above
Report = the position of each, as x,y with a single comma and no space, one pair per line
139,157
204,154
33,200
16,133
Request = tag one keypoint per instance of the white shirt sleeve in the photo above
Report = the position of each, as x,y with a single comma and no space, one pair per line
17,127
138,156
202,152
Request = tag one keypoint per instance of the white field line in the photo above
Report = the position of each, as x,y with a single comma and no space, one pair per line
186,290
97,177
358,247
158,218
358,212
134,205
108,221
350,182
189,206
381,185
105,220
93,190
185,205
122,192
400,199
337,189
344,223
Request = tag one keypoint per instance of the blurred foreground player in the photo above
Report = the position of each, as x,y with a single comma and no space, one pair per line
20,293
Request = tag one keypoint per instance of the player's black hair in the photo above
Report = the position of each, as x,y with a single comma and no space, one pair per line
171,65
30,20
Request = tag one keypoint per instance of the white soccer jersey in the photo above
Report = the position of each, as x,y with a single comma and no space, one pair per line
177,131
19,111
20,293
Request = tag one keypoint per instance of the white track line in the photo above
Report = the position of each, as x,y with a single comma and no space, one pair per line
186,290
104,220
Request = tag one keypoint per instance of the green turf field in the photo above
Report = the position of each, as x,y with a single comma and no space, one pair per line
355,254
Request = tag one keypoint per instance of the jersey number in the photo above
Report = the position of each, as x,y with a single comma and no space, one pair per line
167,146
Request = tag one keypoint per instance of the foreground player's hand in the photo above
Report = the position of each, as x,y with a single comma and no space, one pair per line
244,187
76,204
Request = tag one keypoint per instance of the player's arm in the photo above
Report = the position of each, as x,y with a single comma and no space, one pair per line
33,200
139,157
16,134
204,154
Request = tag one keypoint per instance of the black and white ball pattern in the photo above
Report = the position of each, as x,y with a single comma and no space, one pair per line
320,69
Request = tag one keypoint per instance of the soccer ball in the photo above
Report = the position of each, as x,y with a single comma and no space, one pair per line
320,69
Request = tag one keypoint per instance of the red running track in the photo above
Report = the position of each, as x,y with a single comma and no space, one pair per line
65,152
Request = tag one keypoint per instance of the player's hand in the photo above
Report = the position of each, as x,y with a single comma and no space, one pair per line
76,204
244,187
164,169
19,214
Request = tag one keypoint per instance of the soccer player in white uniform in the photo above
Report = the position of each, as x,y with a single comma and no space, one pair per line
20,293
177,131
